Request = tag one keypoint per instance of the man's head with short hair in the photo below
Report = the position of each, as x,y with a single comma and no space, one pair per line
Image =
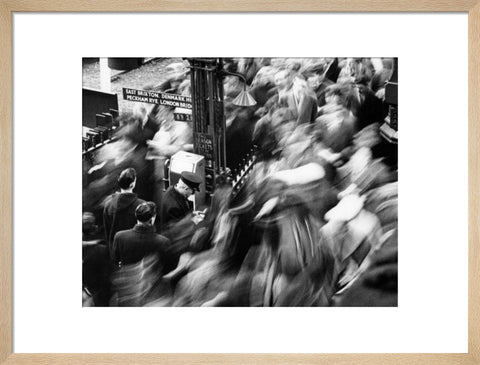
145,212
127,179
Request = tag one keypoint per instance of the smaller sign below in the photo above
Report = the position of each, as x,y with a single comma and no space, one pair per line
203,144
180,117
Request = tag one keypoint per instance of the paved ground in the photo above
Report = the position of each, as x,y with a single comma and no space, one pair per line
151,72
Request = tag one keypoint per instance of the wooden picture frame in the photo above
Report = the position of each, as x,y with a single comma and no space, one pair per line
8,7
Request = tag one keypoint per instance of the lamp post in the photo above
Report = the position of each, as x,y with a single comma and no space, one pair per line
209,127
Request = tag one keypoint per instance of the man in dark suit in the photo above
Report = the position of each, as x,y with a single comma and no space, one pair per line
119,209
175,205
133,245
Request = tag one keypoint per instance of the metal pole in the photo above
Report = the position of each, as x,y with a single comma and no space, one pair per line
211,116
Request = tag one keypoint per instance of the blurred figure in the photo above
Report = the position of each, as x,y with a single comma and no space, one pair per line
383,201
318,83
362,173
377,284
287,263
353,233
271,135
119,211
139,284
128,150
347,71
335,127
263,85
106,163
210,275
175,75
147,114
249,68
295,266
332,69
367,107
300,100
95,263
383,73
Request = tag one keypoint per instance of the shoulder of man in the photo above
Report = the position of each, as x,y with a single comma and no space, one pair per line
122,235
109,200
157,242
170,194
162,239
163,244
139,201
170,190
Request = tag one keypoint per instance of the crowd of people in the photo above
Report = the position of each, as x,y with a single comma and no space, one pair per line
314,225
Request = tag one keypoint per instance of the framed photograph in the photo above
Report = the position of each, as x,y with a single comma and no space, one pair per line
243,192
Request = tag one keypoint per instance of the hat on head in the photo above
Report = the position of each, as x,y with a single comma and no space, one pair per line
127,177
191,180
145,211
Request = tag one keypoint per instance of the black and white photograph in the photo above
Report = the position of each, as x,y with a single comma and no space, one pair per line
240,182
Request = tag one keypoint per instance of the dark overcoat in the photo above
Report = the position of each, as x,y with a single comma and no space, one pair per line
174,206
133,245
119,214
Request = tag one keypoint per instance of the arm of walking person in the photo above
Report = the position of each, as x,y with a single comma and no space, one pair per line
300,175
